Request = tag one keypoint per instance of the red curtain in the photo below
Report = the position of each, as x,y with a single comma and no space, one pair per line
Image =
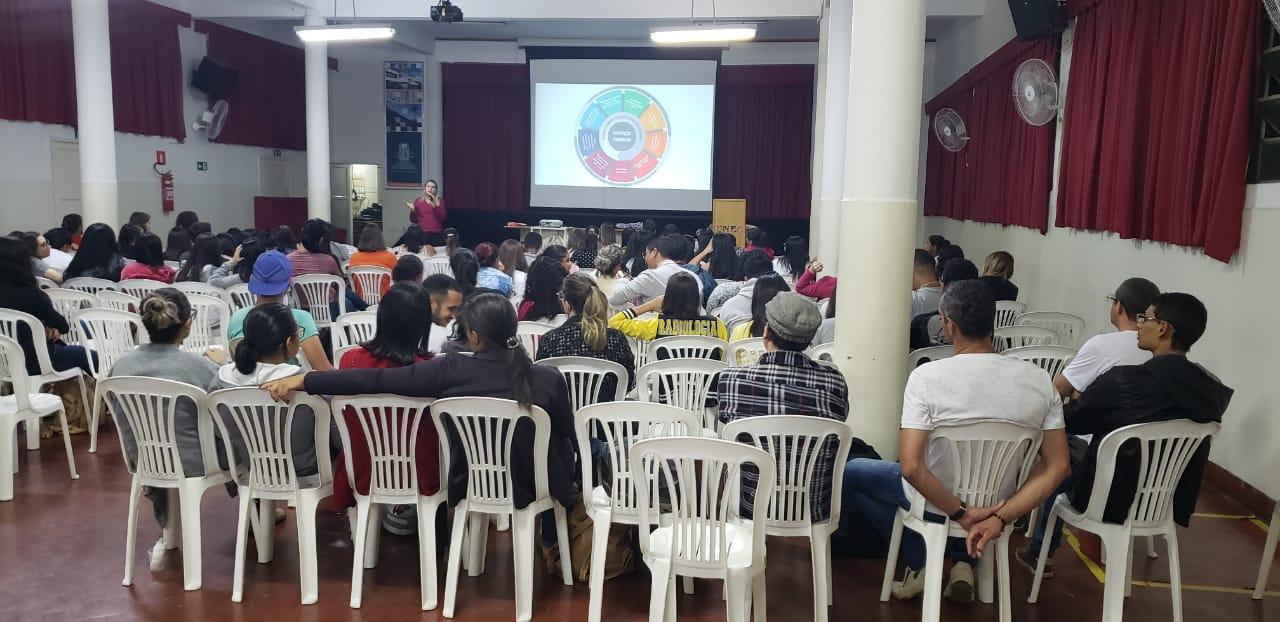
1005,172
37,71
1158,121
486,136
763,138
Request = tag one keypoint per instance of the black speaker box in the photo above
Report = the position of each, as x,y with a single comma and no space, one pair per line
213,78
1034,19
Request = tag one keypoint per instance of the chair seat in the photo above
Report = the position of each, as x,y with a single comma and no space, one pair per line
56,376
738,535
41,403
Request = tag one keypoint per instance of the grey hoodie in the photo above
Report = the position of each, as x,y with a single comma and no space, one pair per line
302,436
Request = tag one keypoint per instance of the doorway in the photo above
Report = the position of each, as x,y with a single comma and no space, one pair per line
356,196
66,178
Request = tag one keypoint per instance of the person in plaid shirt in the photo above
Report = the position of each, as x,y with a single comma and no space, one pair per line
785,381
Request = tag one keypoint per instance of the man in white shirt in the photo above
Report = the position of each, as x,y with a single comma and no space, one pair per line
731,302
976,385
926,289
652,282
1099,354
59,246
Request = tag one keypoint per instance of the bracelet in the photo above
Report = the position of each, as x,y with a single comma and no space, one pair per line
1003,523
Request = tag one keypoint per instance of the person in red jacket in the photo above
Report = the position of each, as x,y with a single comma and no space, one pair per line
810,285
427,211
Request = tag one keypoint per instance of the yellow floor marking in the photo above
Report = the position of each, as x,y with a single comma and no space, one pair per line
1203,588
1098,572
1252,518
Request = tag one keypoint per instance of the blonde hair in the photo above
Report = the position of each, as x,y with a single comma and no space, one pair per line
591,307
999,263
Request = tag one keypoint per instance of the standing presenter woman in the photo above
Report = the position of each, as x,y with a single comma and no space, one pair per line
427,211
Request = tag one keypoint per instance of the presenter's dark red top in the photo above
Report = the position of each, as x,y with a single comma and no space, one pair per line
430,217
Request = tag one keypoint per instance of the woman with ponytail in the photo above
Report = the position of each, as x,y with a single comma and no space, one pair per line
498,368
587,332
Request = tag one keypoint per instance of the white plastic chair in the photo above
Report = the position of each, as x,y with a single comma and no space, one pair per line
391,425
585,377
932,353
10,320
798,445
1165,450
619,425
823,352
744,352
173,264
1052,359
90,285
68,302
1018,336
45,283
530,335
1007,312
267,474
111,334
684,383
485,427
196,287
687,347
985,455
1268,553
436,265
339,352
120,301
640,349
203,334
239,296
139,288
27,406
352,329
312,292
700,534
1070,328
149,406
369,281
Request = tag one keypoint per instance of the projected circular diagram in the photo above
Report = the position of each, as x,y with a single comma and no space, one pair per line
622,135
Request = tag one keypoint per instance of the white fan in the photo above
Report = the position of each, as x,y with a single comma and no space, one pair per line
1035,92
949,128
1273,10
212,120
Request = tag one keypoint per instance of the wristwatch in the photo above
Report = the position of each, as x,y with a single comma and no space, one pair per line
959,514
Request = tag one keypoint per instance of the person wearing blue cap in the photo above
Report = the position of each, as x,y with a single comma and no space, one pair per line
271,277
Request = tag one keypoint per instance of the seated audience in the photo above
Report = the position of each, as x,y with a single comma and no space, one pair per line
98,256
542,290
810,285
1167,387
786,381
148,255
186,219
827,332
284,240
314,257
609,268
200,227
794,259
466,269
935,244
974,386
758,239
562,256
996,272
127,238
926,289
671,229
19,292
927,329
652,282
205,259
490,275
586,332
141,220
239,268
452,242
766,288
736,307
584,256
722,262
372,251
608,234
685,259
73,224
414,241
1102,352
946,254
532,245
678,310
268,283
60,249
446,301
38,251
408,269
514,264
637,246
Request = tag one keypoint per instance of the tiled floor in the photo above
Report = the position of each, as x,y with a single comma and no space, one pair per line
61,558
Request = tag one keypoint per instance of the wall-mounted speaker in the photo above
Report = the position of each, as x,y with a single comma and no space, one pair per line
213,78
1034,19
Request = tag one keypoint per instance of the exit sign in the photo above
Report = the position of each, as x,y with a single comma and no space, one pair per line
202,166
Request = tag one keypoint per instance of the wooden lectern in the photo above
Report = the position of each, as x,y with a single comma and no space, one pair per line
730,216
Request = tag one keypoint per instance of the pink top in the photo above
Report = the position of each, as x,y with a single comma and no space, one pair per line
813,287
430,218
138,270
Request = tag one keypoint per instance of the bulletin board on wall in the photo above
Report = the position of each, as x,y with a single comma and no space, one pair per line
402,94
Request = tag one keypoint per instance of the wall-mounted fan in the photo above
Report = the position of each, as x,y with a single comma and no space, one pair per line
1273,11
1035,92
949,128
212,120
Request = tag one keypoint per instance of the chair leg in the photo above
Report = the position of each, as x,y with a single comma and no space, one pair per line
659,586
1117,544
8,459
1005,602
66,442
758,601
1031,522
1128,579
562,538
455,558
131,527
686,584
265,539
93,422
189,494
935,543
1268,553
819,543
1050,525
427,553
1151,547
33,433
669,613
242,528
599,538
172,532
478,530
523,534
891,561
373,536
735,585
308,564
502,522
986,576
1175,572
359,549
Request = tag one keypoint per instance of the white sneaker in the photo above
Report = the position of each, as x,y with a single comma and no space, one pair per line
960,584
157,555
911,585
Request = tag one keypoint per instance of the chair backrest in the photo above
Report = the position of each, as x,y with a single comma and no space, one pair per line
239,296
1018,336
1052,359
90,285
744,351
150,407
799,446
264,427
688,347
585,377
203,334
640,349
530,335
196,287
925,355
620,425
13,369
139,288
113,334
985,458
436,265
1070,328
353,328
120,301
173,264
311,293
1007,312
339,352
823,351
1165,450
486,427
11,320
734,323
390,424
369,280
45,283
680,382
693,472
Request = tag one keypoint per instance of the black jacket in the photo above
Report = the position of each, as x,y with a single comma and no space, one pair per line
1001,287
1165,388
482,374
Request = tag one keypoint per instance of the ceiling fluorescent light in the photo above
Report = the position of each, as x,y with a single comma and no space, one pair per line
344,32
719,33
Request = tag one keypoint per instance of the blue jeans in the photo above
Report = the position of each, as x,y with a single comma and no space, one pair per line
1042,522
873,488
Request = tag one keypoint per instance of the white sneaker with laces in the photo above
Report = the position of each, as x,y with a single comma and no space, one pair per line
911,585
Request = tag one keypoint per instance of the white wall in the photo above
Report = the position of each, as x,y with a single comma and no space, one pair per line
1071,270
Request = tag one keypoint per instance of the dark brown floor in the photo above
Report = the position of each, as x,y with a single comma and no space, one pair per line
61,558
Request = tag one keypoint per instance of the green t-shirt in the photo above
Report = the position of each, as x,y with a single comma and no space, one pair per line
306,325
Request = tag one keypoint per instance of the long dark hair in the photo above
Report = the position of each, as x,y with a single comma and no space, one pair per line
186,219
465,267
682,301
494,320
179,242
72,223
97,248
452,241
404,317
207,251
284,240
249,251
163,312
267,329
767,287
796,256
545,280
724,256
635,252
148,250
511,254
128,238
15,263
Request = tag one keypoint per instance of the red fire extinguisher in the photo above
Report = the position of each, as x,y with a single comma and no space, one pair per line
166,183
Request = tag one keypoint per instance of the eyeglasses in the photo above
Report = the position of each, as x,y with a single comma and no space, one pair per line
1112,299
1143,318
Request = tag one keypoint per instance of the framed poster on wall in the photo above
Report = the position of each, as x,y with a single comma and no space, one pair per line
402,96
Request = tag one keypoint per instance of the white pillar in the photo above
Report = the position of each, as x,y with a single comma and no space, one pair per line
434,120
878,219
317,75
830,116
95,113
